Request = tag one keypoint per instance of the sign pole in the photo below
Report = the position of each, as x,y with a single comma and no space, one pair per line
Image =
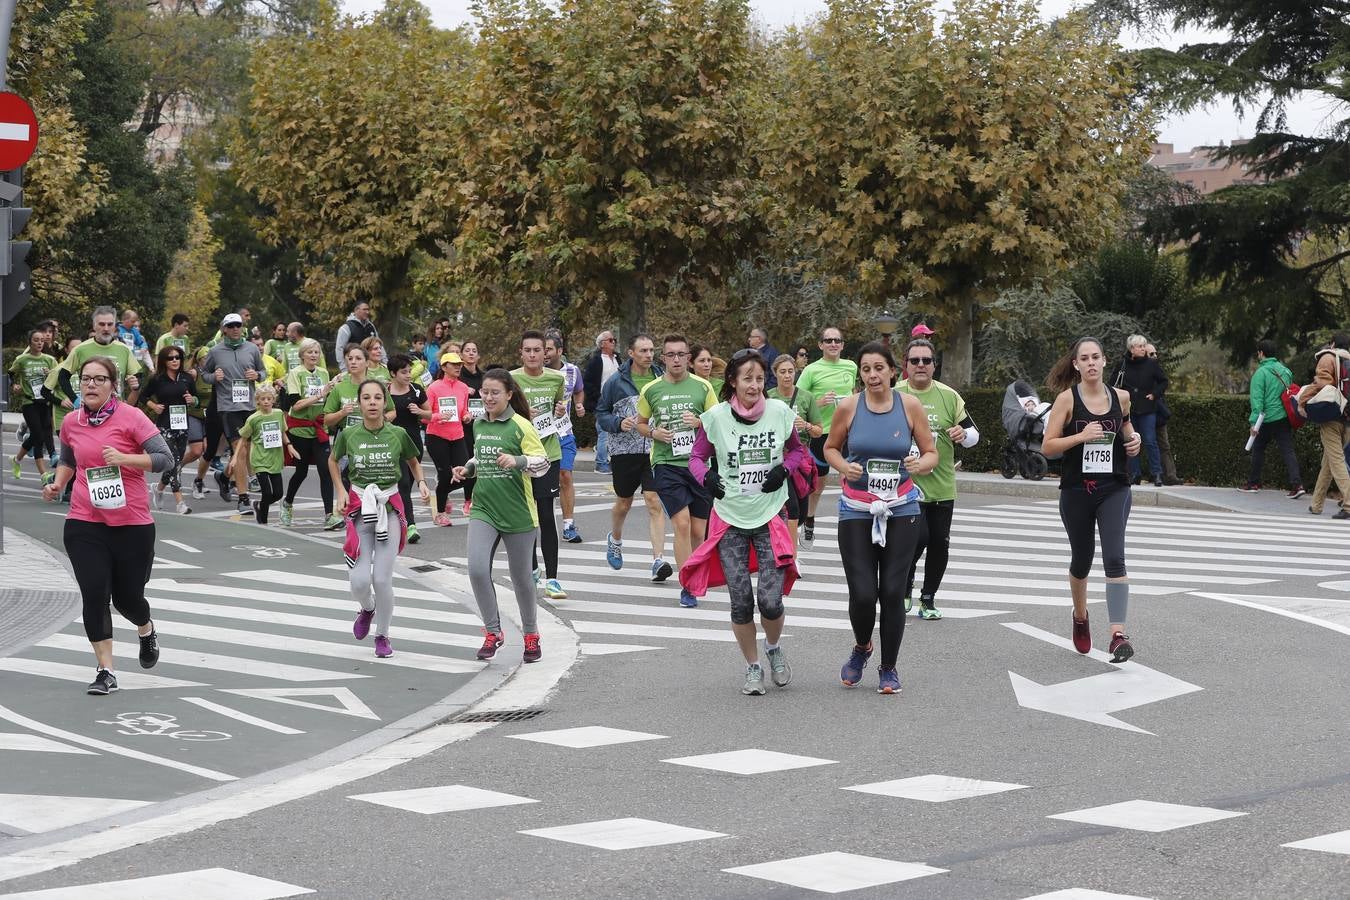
7,8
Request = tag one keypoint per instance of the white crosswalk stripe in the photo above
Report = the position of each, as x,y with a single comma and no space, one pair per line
1003,556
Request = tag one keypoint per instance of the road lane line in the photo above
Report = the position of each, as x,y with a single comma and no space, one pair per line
240,716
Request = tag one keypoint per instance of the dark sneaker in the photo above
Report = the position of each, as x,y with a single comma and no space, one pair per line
852,671
104,683
1341,514
382,648
247,508
570,534
687,600
223,485
1121,648
889,680
1157,481
808,536
149,649
1250,488
661,570
361,627
1295,493
491,641
532,651
1082,635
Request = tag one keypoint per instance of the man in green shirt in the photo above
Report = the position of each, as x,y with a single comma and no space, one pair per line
951,425
668,413
103,343
545,392
828,379
176,335
27,375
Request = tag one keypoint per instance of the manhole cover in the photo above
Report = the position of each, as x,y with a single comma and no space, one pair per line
499,715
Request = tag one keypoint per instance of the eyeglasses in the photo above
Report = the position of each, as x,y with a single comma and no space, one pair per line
94,379
831,340
921,360
234,325
1153,356
684,355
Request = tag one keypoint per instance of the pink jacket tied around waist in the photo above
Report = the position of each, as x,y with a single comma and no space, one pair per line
351,547
703,569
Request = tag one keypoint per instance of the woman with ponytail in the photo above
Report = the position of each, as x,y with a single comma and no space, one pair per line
1089,423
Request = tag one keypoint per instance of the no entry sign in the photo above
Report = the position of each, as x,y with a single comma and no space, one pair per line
18,131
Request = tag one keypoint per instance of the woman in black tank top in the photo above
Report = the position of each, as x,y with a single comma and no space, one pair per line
1090,424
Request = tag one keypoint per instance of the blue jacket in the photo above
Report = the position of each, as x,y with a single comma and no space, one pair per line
618,401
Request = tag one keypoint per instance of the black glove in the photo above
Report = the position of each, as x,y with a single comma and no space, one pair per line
712,483
774,480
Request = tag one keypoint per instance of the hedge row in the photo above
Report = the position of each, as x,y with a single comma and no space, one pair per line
1208,432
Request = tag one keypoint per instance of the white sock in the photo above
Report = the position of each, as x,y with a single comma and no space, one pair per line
567,522
768,646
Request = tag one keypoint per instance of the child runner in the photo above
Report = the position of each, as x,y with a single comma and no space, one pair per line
375,451
264,443
754,444
1090,424
879,509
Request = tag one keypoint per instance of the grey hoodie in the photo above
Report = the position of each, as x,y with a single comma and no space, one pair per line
233,362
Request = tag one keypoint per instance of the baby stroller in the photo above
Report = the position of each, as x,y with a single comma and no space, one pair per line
1024,419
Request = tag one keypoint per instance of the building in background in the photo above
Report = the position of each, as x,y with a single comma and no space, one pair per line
1199,167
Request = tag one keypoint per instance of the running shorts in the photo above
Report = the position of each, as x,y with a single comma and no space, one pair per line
678,491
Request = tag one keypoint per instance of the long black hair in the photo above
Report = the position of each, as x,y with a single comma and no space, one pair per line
517,401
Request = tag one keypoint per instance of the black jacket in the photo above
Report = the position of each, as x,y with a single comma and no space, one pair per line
1141,376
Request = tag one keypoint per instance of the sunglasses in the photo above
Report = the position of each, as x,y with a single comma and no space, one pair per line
921,360
831,340
172,357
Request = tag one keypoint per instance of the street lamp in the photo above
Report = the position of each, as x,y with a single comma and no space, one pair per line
887,325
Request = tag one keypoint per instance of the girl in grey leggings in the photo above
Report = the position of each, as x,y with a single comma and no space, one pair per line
483,542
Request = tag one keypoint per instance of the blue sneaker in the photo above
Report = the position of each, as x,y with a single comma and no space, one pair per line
613,552
570,534
553,590
661,570
890,680
852,671
687,600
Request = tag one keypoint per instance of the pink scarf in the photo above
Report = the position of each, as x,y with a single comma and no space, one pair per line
751,414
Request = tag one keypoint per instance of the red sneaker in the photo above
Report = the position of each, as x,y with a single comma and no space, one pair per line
491,641
1082,636
532,651
1121,648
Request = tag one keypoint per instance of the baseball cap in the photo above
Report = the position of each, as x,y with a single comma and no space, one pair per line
451,357
921,330
231,319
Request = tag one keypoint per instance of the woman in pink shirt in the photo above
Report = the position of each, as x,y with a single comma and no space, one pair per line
107,447
448,398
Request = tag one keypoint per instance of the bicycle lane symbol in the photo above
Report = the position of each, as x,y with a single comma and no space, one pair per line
260,551
160,725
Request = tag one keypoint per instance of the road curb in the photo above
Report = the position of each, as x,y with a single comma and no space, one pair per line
33,614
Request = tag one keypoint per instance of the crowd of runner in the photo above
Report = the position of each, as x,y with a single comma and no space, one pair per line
736,455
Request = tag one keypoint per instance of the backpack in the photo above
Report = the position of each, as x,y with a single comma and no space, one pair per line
1289,400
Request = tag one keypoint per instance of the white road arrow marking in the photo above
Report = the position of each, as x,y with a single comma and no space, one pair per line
1094,698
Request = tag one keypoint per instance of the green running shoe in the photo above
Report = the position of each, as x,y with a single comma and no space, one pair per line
333,522
285,514
754,680
909,604
18,472
928,611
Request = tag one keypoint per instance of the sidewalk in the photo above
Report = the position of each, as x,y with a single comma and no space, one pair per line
29,614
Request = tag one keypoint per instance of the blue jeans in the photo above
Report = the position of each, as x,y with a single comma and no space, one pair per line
601,449
1146,425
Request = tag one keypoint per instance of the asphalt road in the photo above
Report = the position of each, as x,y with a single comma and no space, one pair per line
1007,742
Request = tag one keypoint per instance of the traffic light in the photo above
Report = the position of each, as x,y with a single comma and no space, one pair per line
17,286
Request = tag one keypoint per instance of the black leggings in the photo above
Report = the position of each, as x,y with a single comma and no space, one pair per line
405,484
935,536
545,491
312,452
38,417
269,486
110,562
1108,508
445,455
877,575
215,432
178,442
